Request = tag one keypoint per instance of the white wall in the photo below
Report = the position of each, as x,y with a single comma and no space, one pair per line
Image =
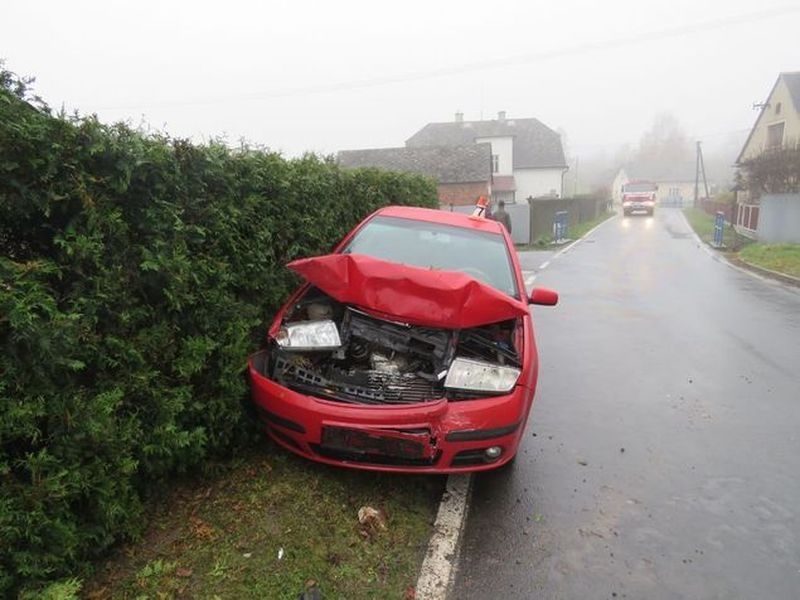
507,197
769,116
779,219
520,222
504,148
684,189
537,182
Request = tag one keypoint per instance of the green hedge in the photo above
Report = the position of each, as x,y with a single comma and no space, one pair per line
137,273
774,171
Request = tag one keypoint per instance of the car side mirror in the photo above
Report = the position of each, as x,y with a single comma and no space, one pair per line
543,296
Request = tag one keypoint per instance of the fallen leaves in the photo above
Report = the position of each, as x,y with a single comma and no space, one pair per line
200,529
311,591
371,522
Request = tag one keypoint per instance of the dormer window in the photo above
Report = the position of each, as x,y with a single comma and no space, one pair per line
778,108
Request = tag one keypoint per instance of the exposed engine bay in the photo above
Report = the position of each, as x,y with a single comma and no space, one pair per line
383,362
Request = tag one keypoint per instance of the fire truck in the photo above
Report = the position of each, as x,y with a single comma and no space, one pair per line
639,196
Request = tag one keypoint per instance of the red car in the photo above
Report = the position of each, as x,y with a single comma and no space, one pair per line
410,348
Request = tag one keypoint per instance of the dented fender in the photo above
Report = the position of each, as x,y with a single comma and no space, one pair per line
427,297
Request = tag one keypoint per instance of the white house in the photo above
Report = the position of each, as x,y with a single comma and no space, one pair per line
778,123
675,181
527,156
773,218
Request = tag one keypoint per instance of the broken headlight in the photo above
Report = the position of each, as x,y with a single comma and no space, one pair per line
309,335
476,375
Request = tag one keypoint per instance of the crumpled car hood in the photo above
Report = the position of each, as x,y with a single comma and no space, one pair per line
426,297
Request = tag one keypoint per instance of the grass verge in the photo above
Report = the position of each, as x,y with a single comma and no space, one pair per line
273,525
581,229
703,225
783,258
573,233
780,258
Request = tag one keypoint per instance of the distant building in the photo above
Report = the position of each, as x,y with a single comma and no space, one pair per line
462,173
778,122
527,157
675,182
772,218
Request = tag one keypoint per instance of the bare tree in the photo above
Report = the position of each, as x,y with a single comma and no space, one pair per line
664,143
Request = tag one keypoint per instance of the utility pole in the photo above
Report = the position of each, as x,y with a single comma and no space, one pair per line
700,168
696,174
703,169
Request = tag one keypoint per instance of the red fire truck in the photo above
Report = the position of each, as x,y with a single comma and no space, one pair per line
639,196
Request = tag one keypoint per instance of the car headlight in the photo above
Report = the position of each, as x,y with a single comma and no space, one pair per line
475,375
309,335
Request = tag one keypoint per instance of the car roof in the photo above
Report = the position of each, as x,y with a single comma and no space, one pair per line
440,216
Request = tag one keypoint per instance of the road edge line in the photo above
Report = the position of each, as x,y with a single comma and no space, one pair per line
438,568
750,270
583,237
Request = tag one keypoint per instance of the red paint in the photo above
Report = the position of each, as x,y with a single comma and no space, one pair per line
410,294
297,421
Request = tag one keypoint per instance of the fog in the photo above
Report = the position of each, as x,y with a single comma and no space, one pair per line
323,77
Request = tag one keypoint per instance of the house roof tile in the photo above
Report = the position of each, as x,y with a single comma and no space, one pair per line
793,83
535,144
446,164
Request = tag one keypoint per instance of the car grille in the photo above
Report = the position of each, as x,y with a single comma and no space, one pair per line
370,387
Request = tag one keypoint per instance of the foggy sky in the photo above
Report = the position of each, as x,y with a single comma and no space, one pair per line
326,76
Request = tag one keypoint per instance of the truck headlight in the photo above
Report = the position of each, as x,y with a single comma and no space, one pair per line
309,335
479,376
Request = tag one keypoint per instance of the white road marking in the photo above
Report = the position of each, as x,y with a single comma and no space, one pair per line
583,237
438,572
438,569
721,259
529,277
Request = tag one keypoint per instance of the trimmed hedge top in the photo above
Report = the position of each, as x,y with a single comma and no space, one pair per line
137,272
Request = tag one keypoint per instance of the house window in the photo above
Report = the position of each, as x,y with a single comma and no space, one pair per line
495,163
778,108
775,135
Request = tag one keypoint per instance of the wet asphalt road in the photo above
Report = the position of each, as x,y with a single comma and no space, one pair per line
662,456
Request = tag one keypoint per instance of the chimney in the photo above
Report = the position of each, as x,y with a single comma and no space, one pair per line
459,117
501,116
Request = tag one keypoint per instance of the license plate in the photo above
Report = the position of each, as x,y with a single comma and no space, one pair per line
389,443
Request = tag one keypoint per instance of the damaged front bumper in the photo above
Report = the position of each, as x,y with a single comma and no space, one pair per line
383,366
435,436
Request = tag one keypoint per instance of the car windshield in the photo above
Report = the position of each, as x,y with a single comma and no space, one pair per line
479,254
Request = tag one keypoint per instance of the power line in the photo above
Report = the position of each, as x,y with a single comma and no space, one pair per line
520,59
701,136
